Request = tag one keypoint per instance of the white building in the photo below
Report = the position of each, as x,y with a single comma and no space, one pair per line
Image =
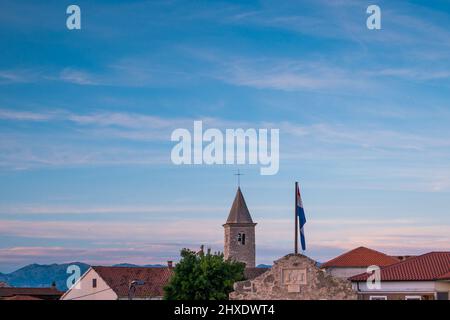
120,283
425,277
123,283
356,262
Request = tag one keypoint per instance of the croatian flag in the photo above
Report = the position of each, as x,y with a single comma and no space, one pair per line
301,218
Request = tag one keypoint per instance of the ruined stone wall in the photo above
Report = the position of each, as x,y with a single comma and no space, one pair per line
294,277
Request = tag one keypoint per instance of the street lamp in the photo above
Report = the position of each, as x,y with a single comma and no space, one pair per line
132,288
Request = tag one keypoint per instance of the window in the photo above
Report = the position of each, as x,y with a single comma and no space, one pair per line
94,283
378,298
241,238
413,298
442,296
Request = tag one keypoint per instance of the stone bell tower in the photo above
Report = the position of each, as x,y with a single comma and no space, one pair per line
239,242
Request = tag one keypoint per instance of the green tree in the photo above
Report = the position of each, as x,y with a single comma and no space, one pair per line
200,276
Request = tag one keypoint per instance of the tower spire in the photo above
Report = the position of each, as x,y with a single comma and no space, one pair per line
240,233
239,212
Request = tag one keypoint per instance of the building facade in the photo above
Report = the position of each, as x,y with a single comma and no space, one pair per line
425,277
294,277
120,283
239,229
14,293
357,261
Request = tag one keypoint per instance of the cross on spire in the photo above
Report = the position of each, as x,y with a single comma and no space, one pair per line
239,174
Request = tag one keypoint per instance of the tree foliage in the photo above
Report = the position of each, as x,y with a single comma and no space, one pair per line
200,276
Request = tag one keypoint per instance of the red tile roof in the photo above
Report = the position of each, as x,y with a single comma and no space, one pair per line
155,279
119,279
21,298
252,273
445,276
427,267
361,257
12,291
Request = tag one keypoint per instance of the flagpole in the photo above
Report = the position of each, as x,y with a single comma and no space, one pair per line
296,219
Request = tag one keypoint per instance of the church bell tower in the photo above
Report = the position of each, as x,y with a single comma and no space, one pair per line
239,241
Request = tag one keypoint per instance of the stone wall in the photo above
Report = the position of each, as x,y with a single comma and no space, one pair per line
294,277
236,251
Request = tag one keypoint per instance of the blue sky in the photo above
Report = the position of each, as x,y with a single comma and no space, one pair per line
86,118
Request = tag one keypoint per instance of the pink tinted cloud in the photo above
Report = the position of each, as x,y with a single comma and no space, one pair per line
147,254
156,242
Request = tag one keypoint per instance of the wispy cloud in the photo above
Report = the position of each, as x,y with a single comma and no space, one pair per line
151,127
167,231
288,75
8,114
363,118
44,75
326,238
70,210
77,76
163,208
372,137
413,73
14,257
377,146
310,73
396,236
18,76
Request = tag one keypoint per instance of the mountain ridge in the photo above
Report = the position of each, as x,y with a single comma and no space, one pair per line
44,275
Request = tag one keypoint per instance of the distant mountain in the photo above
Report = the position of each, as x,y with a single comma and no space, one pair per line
130,265
37,275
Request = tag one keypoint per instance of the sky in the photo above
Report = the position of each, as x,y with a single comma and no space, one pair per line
86,118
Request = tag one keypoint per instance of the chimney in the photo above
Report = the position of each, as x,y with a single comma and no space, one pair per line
170,264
